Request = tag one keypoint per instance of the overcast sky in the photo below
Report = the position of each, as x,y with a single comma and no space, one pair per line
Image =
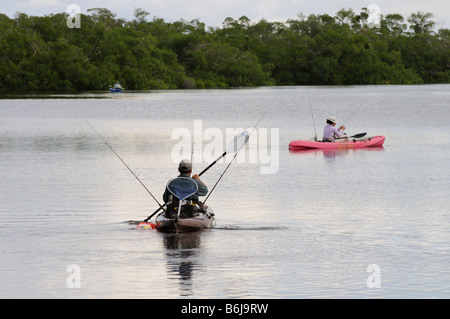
213,12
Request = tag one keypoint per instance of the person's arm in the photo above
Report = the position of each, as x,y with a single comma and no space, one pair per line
166,196
202,189
336,132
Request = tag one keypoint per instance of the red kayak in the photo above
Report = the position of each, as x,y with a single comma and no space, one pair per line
375,141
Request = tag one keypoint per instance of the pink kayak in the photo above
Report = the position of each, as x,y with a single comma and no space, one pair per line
375,141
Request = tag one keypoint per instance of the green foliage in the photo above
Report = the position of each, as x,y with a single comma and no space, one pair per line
42,53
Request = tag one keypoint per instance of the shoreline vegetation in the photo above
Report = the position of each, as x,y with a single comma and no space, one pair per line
44,54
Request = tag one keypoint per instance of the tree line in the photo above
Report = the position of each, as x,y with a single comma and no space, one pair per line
40,53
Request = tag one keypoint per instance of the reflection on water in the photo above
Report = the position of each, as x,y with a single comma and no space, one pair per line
181,252
335,153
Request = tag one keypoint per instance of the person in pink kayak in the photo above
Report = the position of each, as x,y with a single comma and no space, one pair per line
330,132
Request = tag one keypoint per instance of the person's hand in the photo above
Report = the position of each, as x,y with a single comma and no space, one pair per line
342,128
195,176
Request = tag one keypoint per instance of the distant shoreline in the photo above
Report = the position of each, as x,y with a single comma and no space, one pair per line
55,54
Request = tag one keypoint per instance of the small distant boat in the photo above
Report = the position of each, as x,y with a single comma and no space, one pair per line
116,88
375,141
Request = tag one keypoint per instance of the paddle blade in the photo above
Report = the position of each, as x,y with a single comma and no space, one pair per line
353,136
359,135
182,187
237,142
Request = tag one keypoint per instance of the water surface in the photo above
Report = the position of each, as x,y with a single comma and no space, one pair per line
308,231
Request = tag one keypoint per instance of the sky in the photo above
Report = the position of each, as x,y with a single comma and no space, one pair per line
214,12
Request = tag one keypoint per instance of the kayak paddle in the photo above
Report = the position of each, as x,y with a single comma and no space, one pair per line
233,147
354,136
237,151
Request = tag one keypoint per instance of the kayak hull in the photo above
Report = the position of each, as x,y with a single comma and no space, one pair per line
115,90
201,220
375,141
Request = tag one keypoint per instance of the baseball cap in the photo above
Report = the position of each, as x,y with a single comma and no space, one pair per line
185,165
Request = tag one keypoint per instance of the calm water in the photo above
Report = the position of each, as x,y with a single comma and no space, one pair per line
310,230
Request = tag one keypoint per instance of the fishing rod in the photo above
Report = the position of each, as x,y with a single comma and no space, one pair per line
247,137
312,114
161,207
352,114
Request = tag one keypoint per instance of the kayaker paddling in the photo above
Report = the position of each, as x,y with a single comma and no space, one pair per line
330,133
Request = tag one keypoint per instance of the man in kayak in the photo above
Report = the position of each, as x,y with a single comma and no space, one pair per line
330,132
185,169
